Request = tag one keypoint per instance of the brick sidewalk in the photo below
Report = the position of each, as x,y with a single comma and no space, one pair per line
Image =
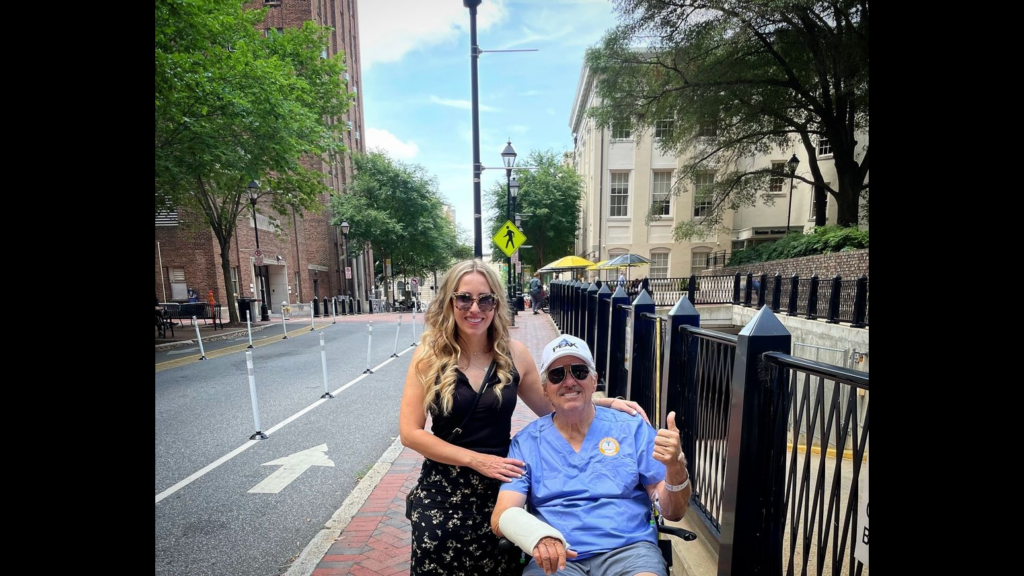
378,540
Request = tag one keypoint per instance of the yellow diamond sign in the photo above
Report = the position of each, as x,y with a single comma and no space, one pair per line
509,238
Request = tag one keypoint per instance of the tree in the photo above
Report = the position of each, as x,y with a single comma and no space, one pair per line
731,79
234,105
552,194
396,208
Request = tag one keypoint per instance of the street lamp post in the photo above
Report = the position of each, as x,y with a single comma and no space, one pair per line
792,164
508,157
474,55
514,189
344,233
254,192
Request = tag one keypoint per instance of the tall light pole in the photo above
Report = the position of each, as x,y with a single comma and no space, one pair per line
508,157
344,233
792,164
254,192
474,55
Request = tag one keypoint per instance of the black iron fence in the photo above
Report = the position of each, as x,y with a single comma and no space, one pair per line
775,443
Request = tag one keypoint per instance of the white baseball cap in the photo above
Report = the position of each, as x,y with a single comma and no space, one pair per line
566,345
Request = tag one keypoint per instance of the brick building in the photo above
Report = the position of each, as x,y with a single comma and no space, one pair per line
303,256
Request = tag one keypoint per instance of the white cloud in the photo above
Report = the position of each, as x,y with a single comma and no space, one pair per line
518,129
390,29
532,93
460,104
388,142
530,37
551,111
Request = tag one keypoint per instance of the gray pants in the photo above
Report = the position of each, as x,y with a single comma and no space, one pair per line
535,301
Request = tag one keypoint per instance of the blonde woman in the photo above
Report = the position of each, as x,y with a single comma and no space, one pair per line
467,374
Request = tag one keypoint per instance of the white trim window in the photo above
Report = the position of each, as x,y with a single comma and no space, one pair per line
621,131
234,281
179,289
661,193
664,128
777,178
620,194
708,128
701,198
824,146
659,264
699,260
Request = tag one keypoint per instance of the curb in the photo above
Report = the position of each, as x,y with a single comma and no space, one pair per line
314,552
216,338
830,452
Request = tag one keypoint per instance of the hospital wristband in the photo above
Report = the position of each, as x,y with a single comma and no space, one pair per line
677,487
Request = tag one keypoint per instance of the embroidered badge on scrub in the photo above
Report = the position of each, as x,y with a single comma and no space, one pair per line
608,446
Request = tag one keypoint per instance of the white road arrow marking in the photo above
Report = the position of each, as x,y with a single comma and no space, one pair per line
291,467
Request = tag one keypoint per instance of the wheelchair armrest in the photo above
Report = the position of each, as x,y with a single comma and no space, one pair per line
683,533
506,545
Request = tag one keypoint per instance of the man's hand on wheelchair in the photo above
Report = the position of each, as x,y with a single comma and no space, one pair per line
550,555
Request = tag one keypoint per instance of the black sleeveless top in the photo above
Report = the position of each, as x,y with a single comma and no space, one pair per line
488,430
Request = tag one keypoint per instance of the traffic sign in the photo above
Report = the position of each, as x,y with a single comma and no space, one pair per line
509,238
258,255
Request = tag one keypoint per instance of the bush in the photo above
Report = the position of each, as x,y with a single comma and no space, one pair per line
824,240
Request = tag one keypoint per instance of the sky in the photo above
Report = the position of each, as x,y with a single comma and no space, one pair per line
417,85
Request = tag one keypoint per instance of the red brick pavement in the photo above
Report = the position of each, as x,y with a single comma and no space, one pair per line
378,540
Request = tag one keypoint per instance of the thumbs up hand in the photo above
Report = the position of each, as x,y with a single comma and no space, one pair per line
667,448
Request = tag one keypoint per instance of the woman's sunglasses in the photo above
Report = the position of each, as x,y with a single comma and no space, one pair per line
578,371
464,301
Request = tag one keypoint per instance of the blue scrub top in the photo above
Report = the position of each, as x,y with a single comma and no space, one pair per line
595,498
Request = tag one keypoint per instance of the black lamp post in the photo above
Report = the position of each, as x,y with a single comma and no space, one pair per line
254,192
508,157
791,165
474,55
344,232
513,187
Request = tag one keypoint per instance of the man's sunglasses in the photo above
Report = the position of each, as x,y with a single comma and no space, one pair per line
578,371
464,301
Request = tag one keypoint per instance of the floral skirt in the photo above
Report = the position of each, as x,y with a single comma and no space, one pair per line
451,525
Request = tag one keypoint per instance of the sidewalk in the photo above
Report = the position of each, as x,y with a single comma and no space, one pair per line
378,539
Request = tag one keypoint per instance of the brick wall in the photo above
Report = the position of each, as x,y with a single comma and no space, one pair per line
849,265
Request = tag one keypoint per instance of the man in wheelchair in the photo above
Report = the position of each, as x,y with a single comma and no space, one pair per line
591,475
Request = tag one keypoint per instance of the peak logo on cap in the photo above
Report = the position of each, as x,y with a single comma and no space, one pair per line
564,344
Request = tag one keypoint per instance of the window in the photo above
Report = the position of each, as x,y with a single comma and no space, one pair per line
708,128
270,31
620,194
812,211
234,281
659,264
699,261
621,131
777,178
179,291
824,147
701,194
663,129
661,195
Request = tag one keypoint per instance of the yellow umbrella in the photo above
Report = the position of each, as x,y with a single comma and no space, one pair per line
567,263
596,266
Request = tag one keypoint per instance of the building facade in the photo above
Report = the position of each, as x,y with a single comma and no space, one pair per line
627,177
303,255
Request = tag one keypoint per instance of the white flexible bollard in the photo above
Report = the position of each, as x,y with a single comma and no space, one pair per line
413,326
397,330
334,311
323,364
284,318
248,327
311,326
259,435
369,341
202,353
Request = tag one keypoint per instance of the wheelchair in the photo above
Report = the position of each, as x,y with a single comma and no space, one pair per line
665,545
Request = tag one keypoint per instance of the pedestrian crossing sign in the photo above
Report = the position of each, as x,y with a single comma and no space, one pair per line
509,238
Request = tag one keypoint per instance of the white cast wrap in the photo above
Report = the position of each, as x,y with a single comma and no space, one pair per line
524,530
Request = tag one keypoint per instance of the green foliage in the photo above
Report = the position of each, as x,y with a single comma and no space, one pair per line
741,78
396,208
553,194
824,240
233,105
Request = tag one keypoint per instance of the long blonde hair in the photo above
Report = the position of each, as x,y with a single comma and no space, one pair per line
440,357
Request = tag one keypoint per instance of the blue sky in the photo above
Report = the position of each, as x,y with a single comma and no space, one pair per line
417,89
